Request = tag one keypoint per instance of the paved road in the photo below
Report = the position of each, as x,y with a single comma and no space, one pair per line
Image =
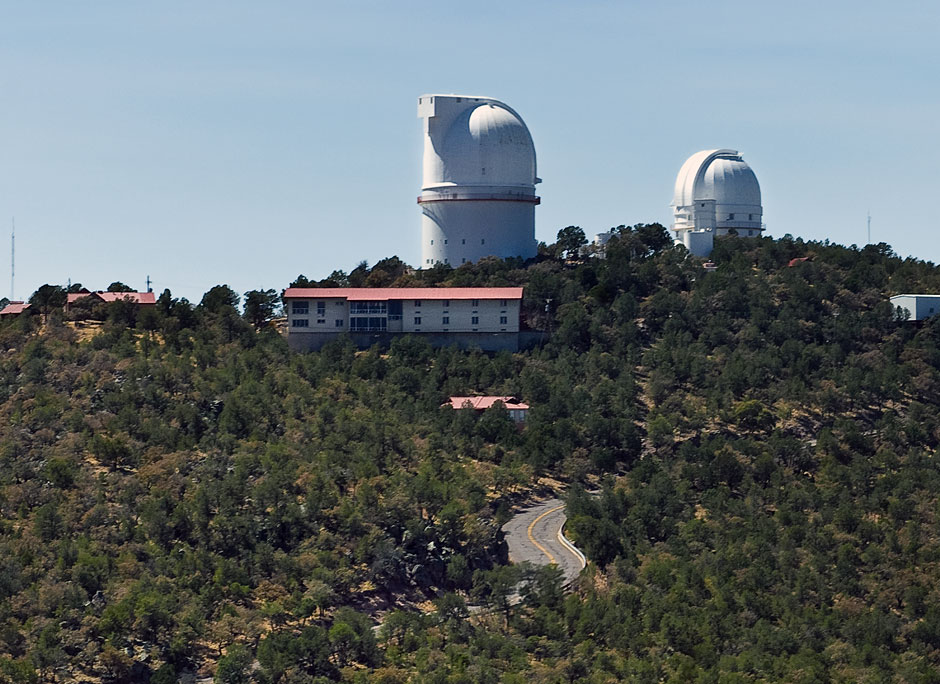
534,535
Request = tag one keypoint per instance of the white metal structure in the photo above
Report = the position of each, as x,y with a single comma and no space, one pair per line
478,188
716,192
918,306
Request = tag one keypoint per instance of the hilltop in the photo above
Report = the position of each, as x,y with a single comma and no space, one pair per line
183,496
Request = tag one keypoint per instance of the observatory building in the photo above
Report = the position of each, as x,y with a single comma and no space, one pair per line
716,192
478,189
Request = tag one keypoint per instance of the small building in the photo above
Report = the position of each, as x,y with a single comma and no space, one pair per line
487,317
518,411
14,309
918,306
139,298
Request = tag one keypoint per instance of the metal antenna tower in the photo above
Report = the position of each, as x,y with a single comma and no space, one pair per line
149,283
12,256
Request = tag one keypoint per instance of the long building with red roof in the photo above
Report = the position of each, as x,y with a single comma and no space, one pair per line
487,317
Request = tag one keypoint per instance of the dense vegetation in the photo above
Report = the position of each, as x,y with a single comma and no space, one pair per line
179,493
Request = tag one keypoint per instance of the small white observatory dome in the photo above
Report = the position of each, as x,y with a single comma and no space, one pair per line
716,192
478,191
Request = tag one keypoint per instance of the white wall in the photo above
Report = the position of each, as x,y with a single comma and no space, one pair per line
431,312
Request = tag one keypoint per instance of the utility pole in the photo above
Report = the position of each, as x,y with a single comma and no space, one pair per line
12,255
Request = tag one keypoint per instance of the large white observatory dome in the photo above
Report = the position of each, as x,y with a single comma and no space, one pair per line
489,145
478,189
716,192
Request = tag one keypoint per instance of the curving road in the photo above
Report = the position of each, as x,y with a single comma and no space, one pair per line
535,535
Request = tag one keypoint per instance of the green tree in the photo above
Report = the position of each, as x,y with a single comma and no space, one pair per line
47,298
235,666
260,307
218,299
570,240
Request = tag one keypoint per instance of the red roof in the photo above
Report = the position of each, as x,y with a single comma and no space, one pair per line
136,297
14,308
141,298
482,403
798,260
358,294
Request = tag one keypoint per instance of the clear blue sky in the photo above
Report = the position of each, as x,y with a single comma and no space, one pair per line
247,142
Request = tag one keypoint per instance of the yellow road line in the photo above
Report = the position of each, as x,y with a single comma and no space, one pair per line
551,558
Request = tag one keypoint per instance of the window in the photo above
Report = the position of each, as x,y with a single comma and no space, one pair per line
368,308
464,241
445,241
300,308
482,242
417,303
320,320
446,303
475,320
502,302
371,324
474,302
321,309
446,320
731,217
750,232
339,322
503,320
417,320
463,261
300,323
432,242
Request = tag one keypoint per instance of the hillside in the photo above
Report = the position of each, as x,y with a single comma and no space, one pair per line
181,496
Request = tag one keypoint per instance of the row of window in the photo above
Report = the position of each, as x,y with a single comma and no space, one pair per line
305,323
463,241
302,308
381,322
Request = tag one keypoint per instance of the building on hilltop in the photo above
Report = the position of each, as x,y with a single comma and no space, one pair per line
478,187
14,308
139,298
99,297
518,411
919,307
485,317
716,193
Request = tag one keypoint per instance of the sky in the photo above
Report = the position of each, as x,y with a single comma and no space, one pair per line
245,143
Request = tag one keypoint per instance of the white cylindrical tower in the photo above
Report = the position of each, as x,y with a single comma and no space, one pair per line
716,191
478,189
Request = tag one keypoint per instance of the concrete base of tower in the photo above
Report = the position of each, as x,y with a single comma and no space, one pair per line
456,232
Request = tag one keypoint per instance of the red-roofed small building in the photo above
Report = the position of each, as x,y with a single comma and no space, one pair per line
139,298
14,309
517,410
487,317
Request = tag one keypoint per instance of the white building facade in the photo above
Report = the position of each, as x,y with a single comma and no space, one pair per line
478,183
918,306
716,192
484,316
